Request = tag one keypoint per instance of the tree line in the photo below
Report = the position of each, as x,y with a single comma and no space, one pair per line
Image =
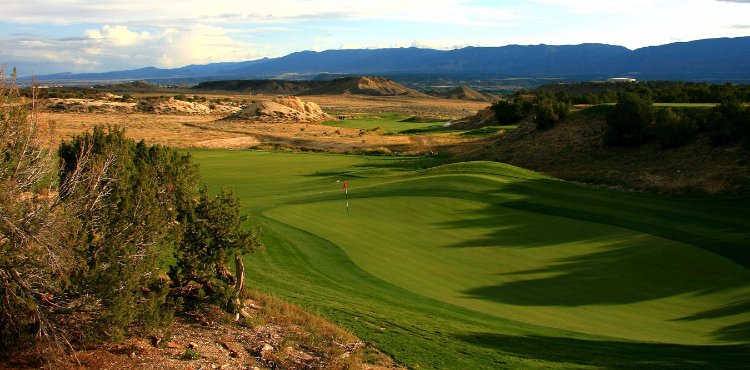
547,108
634,120
668,92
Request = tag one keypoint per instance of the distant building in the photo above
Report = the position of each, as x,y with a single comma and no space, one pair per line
621,79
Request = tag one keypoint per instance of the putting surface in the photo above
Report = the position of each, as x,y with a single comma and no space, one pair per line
535,268
484,265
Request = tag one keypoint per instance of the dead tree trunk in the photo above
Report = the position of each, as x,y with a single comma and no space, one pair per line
239,285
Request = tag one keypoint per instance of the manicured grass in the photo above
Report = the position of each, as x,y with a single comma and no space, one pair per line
568,274
393,123
481,265
686,105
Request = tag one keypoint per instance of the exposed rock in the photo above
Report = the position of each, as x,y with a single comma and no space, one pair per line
158,106
283,109
174,345
267,348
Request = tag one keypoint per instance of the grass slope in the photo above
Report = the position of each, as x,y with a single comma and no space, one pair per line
482,265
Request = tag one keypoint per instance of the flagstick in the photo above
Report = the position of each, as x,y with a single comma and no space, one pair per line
346,191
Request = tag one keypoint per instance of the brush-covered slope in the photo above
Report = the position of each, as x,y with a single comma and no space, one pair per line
572,149
264,87
376,86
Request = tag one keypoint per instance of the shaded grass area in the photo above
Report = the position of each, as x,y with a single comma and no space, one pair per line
486,131
393,123
614,354
603,109
424,332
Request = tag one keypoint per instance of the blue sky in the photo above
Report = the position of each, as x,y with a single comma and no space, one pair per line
50,36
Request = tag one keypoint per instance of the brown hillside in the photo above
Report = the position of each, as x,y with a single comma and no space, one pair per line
466,93
375,86
572,150
263,87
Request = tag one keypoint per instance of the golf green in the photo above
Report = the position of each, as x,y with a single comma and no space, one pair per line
531,267
483,265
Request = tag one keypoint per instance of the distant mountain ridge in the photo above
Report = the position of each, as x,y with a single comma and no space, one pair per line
722,59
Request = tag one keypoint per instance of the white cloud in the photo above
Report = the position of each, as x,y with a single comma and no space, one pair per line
118,35
170,12
631,7
117,47
266,29
450,44
171,33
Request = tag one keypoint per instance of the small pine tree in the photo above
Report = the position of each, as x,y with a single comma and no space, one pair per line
673,129
212,236
630,123
728,122
545,114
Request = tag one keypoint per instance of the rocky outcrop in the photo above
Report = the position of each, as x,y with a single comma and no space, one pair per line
157,106
283,109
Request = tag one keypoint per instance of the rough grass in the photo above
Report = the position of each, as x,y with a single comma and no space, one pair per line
482,265
486,131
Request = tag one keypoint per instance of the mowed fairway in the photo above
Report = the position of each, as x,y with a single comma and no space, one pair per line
393,123
483,265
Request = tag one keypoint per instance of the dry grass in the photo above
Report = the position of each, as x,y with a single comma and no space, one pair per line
211,131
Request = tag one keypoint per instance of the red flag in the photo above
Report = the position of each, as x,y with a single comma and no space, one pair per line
345,186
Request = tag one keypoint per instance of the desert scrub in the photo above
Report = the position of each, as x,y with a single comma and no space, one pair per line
298,335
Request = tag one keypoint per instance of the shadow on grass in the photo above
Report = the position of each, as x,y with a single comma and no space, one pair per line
614,354
626,274
731,309
430,130
737,332
612,265
733,250
394,164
